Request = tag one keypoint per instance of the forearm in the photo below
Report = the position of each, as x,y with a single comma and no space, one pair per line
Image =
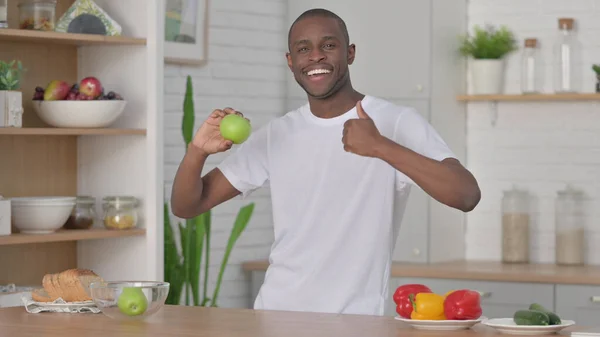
186,195
447,181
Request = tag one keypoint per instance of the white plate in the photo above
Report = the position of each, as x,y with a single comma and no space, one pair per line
445,325
508,326
67,305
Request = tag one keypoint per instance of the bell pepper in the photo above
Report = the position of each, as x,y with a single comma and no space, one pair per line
404,306
428,306
462,305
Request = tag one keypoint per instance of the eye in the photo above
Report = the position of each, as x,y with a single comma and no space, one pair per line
329,45
302,49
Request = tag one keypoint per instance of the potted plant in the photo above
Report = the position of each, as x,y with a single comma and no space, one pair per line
488,47
596,69
11,100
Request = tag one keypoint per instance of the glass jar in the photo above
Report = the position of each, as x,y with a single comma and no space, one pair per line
567,58
120,212
530,65
3,13
570,227
515,226
83,215
37,14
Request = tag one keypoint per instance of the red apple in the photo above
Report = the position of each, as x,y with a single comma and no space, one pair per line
56,90
91,87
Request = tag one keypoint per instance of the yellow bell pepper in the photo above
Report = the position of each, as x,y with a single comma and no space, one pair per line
428,306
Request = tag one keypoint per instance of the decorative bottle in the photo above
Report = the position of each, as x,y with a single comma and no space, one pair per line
566,59
530,68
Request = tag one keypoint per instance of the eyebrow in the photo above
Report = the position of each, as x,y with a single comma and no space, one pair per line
325,38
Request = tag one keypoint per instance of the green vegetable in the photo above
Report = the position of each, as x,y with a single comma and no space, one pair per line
531,317
554,319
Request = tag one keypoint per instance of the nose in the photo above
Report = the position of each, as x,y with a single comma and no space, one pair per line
316,55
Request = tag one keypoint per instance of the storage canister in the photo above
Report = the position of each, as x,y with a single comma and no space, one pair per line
570,227
515,226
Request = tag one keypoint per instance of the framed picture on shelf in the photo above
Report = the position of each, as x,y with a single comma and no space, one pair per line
186,29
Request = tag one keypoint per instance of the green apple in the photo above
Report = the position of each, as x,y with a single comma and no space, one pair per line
132,301
235,128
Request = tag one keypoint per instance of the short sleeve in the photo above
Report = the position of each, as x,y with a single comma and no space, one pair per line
247,167
414,132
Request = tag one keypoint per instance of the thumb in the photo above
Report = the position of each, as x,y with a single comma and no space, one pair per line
361,112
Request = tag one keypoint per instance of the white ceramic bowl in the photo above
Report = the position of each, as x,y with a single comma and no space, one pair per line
40,215
79,114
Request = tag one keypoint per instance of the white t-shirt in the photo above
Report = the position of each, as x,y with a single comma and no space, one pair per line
332,210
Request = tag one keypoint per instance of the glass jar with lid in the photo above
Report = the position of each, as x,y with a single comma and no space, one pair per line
120,212
570,227
83,215
37,14
515,226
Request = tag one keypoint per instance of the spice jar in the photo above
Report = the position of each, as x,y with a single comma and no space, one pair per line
515,226
37,14
83,214
570,227
120,212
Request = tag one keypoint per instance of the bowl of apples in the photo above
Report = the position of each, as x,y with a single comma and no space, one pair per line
81,105
133,300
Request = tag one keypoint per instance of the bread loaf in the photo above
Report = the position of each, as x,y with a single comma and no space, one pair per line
72,285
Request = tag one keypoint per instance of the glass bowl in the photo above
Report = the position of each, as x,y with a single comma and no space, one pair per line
129,300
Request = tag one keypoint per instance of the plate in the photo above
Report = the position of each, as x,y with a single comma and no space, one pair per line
440,325
509,327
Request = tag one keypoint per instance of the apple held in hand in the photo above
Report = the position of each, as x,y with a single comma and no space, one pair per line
132,301
235,128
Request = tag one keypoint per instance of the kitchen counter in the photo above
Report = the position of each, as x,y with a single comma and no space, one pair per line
217,322
485,271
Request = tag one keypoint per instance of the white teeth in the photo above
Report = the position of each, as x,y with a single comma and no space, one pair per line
318,71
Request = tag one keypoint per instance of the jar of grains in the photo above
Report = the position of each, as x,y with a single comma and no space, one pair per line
515,226
120,212
570,227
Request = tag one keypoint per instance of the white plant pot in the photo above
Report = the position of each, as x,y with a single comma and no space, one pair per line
487,76
11,108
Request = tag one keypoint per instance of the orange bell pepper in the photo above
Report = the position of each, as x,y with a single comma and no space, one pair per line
428,306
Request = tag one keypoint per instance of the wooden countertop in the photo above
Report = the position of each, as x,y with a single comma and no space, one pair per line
485,271
217,322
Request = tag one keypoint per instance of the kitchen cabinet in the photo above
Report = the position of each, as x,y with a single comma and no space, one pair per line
406,52
580,303
123,159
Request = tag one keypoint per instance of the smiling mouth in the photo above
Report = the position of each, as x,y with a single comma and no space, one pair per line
317,74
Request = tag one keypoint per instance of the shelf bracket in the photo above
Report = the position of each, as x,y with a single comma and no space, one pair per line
493,112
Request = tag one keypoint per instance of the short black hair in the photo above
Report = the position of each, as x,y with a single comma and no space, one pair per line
322,13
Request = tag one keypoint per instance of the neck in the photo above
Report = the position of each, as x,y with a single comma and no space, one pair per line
336,104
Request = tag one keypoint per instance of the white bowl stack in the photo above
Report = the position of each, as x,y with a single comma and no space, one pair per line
40,215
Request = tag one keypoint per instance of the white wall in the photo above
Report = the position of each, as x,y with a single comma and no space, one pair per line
538,146
246,70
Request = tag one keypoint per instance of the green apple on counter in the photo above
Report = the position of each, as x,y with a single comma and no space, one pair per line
235,128
132,301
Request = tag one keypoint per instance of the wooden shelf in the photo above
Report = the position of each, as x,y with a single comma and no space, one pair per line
69,235
70,132
531,97
22,35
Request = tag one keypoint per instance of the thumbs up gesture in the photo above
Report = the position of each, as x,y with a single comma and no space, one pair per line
360,136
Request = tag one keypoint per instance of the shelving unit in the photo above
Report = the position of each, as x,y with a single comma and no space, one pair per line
493,100
125,159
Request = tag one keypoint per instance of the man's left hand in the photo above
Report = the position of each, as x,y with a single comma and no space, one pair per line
360,136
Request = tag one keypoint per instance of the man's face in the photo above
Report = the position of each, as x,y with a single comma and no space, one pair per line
319,56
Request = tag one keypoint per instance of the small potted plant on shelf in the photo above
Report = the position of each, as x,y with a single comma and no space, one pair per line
488,47
11,99
596,69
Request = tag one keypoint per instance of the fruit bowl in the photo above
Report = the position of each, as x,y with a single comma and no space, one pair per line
79,114
135,300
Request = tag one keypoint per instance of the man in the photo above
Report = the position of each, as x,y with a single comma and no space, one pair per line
333,167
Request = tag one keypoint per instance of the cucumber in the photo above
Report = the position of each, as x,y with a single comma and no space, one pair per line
531,317
554,319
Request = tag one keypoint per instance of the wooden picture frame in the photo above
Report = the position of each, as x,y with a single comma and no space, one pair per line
186,31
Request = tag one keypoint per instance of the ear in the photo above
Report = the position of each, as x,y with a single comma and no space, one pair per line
351,53
288,56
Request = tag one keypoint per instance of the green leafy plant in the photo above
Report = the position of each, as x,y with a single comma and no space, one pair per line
10,75
488,43
596,69
182,271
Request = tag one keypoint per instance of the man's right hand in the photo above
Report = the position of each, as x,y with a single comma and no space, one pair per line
208,139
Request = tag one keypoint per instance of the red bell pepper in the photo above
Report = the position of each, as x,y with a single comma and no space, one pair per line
404,306
462,305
